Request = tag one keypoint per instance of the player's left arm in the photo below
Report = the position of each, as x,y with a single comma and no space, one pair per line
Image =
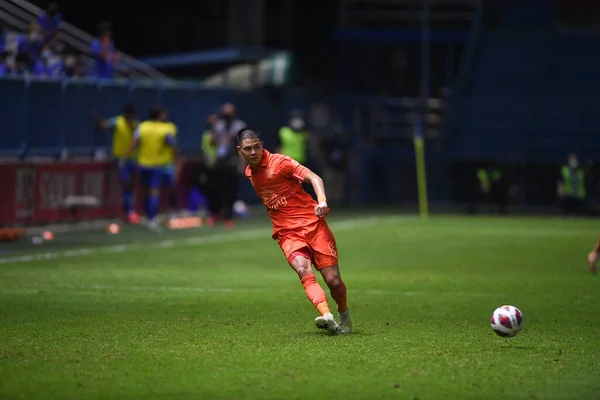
319,188
132,146
293,169
172,143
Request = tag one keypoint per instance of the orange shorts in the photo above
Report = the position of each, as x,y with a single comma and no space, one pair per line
314,242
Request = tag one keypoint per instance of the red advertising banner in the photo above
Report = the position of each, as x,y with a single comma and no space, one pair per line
36,193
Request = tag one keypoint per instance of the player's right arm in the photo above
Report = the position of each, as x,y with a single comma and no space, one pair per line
105,124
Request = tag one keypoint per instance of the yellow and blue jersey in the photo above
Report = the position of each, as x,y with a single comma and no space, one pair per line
155,144
122,136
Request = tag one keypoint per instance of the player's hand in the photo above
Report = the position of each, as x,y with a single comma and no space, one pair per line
321,209
592,260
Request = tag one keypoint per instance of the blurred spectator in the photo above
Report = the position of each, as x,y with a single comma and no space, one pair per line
49,23
227,165
200,176
209,159
7,63
103,51
197,199
72,66
293,138
49,65
493,188
209,144
22,65
336,150
571,186
30,43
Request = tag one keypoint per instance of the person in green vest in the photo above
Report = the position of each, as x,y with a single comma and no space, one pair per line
209,144
571,186
293,139
492,188
206,174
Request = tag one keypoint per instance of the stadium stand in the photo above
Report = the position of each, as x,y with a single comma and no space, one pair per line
531,96
17,17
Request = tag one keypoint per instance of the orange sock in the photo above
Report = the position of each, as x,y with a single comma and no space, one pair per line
339,294
315,293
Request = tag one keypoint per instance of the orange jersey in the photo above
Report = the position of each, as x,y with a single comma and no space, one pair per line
278,183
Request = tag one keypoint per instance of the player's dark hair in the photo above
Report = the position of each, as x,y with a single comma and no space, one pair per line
129,109
155,112
247,133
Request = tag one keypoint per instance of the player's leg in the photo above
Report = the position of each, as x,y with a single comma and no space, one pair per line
299,258
338,291
126,179
325,255
151,179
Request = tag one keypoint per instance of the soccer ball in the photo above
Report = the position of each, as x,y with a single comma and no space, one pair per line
507,321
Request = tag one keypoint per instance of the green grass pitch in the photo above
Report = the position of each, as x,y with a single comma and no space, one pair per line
219,314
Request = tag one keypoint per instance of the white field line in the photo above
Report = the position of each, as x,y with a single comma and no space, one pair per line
521,233
226,237
94,288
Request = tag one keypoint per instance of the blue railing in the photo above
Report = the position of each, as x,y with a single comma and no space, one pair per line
45,117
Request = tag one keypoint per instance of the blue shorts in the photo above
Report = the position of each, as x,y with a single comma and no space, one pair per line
151,177
126,172
156,177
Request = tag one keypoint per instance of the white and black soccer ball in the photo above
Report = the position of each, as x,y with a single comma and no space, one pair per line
507,321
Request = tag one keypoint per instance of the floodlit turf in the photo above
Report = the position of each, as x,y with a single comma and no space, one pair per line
201,318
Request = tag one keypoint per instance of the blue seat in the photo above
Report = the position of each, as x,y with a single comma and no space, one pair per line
534,96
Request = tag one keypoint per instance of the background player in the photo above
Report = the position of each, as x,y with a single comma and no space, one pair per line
298,224
593,256
123,127
154,140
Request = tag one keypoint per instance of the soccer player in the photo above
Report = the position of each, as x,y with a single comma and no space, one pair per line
154,141
593,256
123,127
298,224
